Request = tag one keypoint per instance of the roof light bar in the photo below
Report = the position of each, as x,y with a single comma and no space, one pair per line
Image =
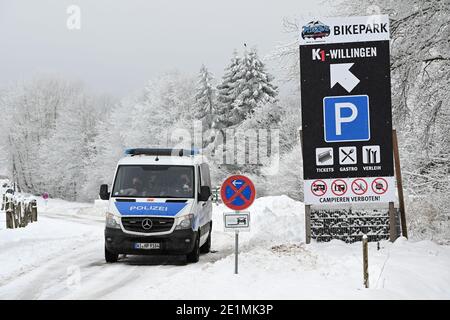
162,152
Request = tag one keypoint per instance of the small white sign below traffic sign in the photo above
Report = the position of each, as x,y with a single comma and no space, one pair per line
236,221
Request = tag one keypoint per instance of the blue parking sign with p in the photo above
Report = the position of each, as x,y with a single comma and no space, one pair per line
346,118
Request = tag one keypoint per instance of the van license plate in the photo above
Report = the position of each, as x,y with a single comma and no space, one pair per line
147,246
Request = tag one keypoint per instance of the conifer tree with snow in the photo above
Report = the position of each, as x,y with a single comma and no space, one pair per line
245,86
254,86
226,94
204,98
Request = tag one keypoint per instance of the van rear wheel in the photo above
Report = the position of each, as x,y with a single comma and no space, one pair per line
194,256
111,257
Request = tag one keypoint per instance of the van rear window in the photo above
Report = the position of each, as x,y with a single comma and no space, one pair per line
154,181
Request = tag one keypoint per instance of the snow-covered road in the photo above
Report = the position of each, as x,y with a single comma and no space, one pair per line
61,257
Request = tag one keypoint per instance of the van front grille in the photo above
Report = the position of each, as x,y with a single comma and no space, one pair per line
147,224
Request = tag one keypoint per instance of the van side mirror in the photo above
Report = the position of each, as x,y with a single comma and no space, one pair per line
104,194
205,193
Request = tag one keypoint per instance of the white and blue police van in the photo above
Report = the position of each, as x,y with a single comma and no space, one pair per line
160,203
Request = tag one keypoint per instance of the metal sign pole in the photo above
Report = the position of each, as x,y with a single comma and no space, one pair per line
236,248
236,252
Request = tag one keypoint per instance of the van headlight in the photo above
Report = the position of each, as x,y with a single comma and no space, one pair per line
184,222
112,221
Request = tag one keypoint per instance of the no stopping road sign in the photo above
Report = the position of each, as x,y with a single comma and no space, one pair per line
238,192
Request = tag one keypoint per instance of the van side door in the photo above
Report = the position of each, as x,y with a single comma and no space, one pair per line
205,207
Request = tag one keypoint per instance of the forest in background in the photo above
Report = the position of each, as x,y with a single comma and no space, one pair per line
60,138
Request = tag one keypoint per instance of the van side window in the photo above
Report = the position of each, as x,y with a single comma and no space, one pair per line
205,176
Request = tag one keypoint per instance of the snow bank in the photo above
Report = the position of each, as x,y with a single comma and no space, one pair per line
69,208
273,220
98,209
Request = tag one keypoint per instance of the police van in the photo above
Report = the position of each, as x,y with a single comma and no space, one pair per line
160,203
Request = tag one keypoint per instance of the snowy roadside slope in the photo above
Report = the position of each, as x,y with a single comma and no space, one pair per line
54,234
74,209
61,257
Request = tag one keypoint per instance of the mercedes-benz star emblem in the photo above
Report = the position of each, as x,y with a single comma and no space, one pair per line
147,224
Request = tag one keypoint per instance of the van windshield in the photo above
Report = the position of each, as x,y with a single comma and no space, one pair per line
154,181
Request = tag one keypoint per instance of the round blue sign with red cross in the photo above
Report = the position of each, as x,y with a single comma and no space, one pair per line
238,192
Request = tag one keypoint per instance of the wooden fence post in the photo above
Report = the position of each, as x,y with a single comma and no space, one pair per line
365,260
26,213
34,215
14,215
392,222
18,214
9,210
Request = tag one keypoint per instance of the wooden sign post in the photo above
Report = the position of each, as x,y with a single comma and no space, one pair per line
398,175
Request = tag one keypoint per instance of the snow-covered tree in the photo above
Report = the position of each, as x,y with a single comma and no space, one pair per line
287,179
245,86
146,119
246,101
106,149
166,103
62,154
204,98
290,122
226,94
30,111
47,131
253,87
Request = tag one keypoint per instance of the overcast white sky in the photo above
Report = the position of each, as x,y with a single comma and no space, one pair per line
123,43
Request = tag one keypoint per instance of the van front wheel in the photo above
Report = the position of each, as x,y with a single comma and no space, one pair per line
206,247
194,256
110,257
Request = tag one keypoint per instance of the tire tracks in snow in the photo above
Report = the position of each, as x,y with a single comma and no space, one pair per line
32,280
86,220
33,283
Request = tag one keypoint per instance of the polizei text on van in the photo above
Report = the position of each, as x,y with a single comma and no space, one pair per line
148,208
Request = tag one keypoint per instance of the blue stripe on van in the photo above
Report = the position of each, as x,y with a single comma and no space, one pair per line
149,208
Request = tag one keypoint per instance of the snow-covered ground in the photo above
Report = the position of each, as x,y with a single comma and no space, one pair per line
61,257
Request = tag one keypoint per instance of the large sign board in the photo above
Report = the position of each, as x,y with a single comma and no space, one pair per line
346,110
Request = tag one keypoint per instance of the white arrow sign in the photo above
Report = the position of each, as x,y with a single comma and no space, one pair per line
235,183
340,73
